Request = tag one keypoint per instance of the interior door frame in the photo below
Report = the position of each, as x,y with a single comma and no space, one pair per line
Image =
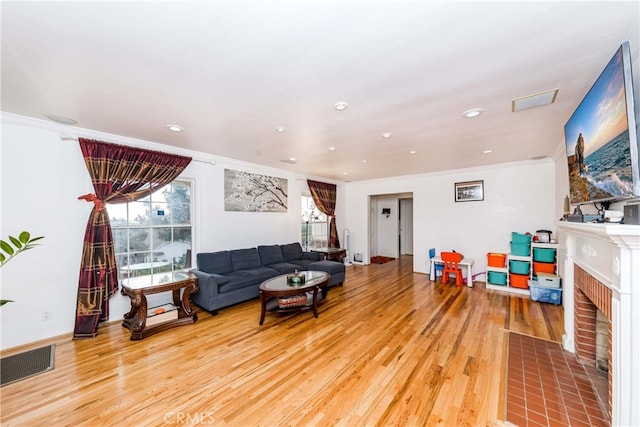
405,226
373,205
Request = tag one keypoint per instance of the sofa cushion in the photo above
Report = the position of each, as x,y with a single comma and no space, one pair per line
303,264
285,267
331,267
220,278
313,256
243,278
243,259
270,254
214,262
291,251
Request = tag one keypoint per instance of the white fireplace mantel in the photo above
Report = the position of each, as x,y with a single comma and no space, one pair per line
611,254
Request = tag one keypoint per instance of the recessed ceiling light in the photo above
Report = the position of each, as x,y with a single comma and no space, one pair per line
364,161
332,148
474,112
340,106
174,128
292,159
345,173
60,119
281,129
387,135
412,152
487,151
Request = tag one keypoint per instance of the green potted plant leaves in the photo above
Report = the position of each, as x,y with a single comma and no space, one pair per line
10,249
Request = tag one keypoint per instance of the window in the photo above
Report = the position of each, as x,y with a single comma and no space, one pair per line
153,235
315,225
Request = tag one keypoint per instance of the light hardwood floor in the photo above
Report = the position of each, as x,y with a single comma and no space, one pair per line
389,348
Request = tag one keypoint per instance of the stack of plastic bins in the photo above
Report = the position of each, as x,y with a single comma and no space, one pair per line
544,261
519,269
496,260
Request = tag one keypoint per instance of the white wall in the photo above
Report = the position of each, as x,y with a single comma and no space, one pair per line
41,179
518,197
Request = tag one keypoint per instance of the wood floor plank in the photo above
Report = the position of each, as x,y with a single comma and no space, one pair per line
388,348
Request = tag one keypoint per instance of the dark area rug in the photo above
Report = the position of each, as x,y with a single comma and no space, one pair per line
24,365
380,259
548,386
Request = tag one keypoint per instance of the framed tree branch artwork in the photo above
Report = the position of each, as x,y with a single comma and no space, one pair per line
469,191
250,192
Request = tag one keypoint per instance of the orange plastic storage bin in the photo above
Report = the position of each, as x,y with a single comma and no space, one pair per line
496,259
543,267
519,281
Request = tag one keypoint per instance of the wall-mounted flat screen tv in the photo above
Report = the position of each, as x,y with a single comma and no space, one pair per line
601,138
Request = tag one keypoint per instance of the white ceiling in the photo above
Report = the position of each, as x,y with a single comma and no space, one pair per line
230,72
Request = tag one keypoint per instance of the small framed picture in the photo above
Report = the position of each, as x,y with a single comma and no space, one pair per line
469,191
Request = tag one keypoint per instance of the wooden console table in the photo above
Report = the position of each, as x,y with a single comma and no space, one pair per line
138,288
333,254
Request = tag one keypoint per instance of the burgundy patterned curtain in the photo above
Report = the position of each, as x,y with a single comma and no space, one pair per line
324,196
119,174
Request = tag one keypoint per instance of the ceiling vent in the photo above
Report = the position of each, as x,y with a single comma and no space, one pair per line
532,101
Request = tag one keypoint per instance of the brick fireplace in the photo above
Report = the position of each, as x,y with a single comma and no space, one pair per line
601,272
589,296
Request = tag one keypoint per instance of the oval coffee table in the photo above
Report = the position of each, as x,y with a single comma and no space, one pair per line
278,286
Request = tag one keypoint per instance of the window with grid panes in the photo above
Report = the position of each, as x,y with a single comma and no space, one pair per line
153,235
315,226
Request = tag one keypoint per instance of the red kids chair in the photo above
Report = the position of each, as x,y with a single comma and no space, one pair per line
451,260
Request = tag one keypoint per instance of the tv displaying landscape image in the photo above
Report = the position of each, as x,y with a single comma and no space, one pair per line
600,137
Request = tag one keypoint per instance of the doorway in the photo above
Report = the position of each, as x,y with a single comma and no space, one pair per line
391,225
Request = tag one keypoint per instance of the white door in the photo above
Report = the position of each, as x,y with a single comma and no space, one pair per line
406,226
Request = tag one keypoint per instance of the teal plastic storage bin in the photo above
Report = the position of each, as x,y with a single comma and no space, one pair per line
520,238
544,254
521,249
497,278
519,267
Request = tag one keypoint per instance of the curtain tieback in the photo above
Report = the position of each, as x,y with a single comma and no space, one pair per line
98,204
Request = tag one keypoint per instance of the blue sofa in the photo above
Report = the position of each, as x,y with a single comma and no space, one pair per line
230,277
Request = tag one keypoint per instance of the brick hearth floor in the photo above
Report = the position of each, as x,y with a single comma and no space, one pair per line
548,386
